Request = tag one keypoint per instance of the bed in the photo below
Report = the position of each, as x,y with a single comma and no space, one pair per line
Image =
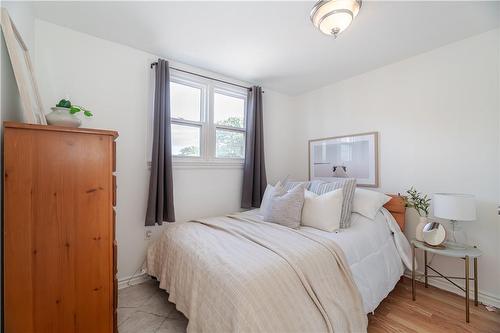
238,273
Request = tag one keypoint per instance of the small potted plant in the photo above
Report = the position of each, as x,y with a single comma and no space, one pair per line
420,203
65,114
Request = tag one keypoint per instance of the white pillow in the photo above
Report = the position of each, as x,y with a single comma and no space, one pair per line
368,203
269,193
322,211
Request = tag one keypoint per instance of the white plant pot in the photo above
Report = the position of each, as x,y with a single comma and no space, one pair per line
419,233
61,117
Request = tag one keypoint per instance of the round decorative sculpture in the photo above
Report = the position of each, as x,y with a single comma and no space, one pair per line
434,234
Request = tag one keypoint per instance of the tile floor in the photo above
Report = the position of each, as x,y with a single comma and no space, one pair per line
144,308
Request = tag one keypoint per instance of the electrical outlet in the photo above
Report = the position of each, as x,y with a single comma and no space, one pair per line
148,234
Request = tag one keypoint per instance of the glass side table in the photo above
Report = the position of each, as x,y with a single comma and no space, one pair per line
465,254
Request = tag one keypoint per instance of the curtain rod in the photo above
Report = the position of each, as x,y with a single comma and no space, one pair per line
203,76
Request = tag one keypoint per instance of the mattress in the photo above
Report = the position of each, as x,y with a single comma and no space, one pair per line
371,254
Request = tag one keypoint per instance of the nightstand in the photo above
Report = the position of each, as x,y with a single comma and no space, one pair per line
465,254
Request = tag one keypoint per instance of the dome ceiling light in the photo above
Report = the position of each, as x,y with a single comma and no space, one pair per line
332,17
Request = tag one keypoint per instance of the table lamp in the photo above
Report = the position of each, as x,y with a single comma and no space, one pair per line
457,208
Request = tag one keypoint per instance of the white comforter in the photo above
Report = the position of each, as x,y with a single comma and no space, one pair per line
371,253
370,249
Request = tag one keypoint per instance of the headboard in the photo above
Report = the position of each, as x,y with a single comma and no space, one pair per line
396,206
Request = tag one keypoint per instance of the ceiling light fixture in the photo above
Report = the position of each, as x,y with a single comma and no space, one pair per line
332,17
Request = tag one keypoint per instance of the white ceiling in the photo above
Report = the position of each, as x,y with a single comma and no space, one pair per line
273,43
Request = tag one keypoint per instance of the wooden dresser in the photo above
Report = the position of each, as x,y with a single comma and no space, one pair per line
59,248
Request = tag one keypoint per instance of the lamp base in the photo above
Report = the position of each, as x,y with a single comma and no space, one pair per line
459,241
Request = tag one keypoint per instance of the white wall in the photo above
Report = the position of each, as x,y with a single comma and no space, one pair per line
438,116
498,206
279,125
114,81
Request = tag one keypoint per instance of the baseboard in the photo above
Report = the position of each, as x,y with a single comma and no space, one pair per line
132,280
484,298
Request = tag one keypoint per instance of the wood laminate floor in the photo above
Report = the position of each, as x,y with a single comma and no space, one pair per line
144,308
434,310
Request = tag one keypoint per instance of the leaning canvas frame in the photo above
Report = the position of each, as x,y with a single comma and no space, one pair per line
23,72
354,156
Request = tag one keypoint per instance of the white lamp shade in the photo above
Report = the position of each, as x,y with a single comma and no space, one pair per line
454,206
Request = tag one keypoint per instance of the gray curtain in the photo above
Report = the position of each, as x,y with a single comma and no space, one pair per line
254,172
161,200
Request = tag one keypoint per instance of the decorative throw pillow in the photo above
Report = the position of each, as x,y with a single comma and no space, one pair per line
290,185
286,209
322,211
268,193
314,185
368,203
348,185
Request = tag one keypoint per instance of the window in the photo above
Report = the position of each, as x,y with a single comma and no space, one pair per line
186,140
185,102
208,120
229,119
186,111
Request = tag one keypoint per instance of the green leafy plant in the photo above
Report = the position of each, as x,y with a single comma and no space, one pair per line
73,109
231,144
189,151
418,201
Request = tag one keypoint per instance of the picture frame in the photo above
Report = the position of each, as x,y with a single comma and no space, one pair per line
348,156
23,71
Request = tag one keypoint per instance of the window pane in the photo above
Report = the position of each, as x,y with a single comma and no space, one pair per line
230,144
185,140
229,111
185,102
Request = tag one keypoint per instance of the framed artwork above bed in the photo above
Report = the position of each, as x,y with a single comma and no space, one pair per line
350,156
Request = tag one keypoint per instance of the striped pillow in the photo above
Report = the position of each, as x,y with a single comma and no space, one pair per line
348,186
314,185
291,185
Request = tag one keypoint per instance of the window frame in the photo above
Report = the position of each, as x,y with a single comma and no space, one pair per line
231,92
192,123
208,128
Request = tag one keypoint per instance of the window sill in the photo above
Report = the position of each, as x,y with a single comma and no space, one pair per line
205,164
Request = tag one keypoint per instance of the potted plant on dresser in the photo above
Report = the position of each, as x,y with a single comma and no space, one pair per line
66,114
420,203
